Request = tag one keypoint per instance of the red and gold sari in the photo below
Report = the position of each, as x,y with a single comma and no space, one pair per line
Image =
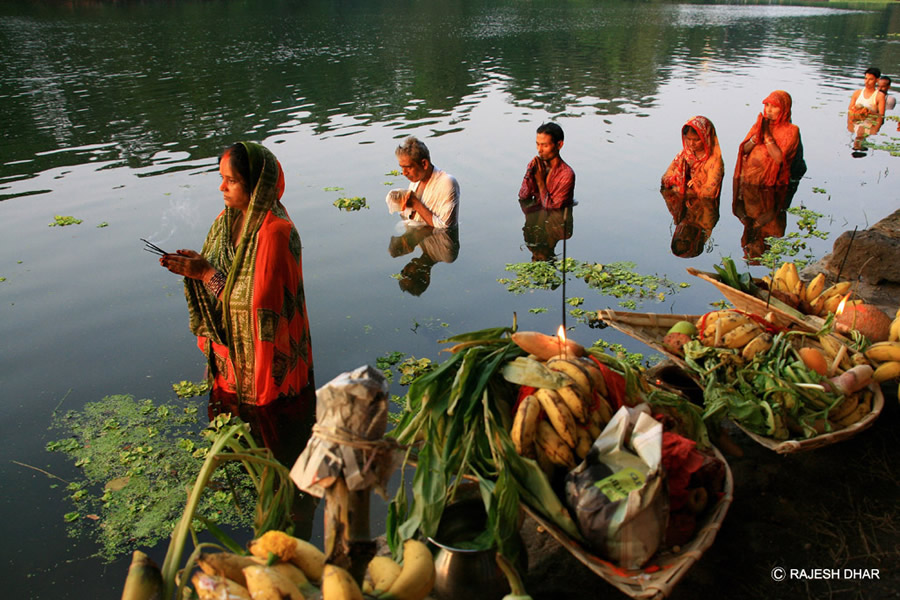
256,338
758,167
705,172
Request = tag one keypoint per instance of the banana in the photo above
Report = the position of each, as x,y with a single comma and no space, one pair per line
226,564
265,583
761,343
553,446
817,305
862,409
791,278
558,414
883,352
380,574
831,304
416,576
575,372
293,573
546,465
595,423
814,288
524,426
724,322
310,559
573,399
604,411
584,443
338,584
886,371
738,338
894,335
830,346
844,409
838,289
598,383
214,587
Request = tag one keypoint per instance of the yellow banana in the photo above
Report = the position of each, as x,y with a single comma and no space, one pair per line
721,326
830,346
894,335
831,304
584,443
738,338
310,559
553,446
761,343
817,305
844,409
265,583
862,409
598,383
524,426
293,573
603,410
416,576
814,288
838,289
577,405
338,584
215,587
226,564
791,278
883,352
543,460
382,571
580,379
558,414
887,371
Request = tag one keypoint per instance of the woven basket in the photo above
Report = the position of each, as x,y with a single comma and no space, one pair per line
785,315
650,328
823,439
657,579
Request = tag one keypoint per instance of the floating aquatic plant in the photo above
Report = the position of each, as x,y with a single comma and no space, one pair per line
62,221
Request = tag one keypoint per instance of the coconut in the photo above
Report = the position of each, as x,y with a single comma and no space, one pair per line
866,319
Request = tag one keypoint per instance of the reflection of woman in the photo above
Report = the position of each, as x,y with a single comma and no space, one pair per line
763,211
694,218
699,166
767,155
245,289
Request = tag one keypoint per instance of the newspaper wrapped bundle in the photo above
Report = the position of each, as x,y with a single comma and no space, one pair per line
348,438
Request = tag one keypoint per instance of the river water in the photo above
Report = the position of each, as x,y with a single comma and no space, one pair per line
114,113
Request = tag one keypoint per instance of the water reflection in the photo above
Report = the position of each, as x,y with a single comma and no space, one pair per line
437,245
544,228
694,218
763,212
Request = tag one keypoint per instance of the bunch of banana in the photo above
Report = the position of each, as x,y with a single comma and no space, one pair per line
813,298
886,357
734,330
851,409
574,415
785,284
412,580
894,335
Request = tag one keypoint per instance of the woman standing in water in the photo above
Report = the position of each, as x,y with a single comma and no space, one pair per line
245,289
767,155
698,168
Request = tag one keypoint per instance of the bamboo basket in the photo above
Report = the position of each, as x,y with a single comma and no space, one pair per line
784,314
650,328
657,579
824,439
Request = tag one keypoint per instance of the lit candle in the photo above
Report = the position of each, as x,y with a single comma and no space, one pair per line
561,340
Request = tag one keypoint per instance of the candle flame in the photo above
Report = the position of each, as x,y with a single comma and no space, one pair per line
561,334
840,306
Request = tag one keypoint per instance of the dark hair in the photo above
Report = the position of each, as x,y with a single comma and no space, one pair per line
239,161
874,71
553,130
886,78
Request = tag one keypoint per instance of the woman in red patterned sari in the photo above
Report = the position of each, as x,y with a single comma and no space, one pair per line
766,156
245,288
698,168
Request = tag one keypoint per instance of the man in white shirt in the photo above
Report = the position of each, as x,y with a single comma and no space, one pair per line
884,85
433,195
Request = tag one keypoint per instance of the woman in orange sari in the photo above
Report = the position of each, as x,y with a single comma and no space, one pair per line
698,168
245,288
766,156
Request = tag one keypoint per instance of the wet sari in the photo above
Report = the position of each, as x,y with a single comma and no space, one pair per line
758,167
256,337
705,172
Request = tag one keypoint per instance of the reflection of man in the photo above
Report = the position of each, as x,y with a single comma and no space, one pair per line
433,195
438,245
544,228
884,86
548,179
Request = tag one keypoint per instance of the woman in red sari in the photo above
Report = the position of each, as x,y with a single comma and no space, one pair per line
245,288
698,168
767,154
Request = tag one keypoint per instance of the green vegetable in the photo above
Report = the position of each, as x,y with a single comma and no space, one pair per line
61,221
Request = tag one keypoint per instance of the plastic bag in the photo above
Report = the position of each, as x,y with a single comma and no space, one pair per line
617,494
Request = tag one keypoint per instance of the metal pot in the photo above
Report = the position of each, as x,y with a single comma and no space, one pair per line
463,573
